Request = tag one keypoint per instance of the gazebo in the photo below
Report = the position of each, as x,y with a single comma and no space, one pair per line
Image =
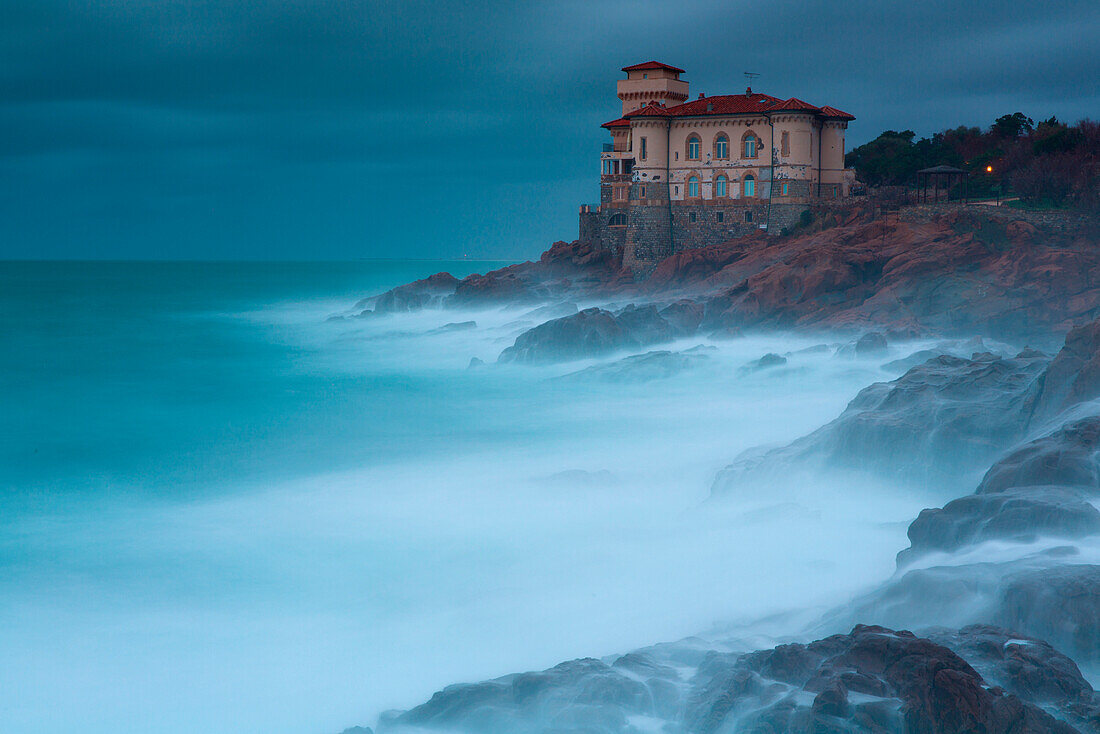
939,178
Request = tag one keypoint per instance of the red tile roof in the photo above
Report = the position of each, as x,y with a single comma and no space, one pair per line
796,104
621,122
732,104
650,110
834,112
652,65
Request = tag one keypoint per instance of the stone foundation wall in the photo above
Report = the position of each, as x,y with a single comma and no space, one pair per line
702,225
654,229
649,233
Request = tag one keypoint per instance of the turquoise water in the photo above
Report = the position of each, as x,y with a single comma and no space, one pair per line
223,512
118,372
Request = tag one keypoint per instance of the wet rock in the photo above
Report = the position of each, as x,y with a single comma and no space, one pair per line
1068,456
900,366
427,293
1019,514
646,367
565,270
579,695
873,679
474,363
768,361
1027,667
591,332
645,325
870,344
957,348
938,420
684,316
1059,604
455,326
1074,374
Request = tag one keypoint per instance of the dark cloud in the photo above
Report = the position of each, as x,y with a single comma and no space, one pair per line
296,128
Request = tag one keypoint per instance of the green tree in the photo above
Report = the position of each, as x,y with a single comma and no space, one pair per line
1012,126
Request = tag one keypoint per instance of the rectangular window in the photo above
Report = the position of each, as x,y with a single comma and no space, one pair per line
786,150
691,216
785,189
720,216
643,150
641,192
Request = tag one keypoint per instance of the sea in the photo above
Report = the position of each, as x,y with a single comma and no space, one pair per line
227,504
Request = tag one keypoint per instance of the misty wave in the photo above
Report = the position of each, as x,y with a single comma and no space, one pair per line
502,518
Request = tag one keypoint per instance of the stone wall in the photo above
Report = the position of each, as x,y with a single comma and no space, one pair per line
648,237
654,229
695,225
590,227
1062,220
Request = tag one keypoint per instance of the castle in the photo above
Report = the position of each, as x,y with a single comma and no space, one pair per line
680,174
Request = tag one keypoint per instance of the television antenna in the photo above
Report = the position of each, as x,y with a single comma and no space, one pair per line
750,75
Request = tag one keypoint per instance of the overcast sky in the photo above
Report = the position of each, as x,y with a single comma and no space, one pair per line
302,129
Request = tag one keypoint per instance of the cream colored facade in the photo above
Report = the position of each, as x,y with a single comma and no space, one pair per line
642,86
730,147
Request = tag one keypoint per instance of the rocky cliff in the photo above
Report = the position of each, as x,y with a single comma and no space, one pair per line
956,273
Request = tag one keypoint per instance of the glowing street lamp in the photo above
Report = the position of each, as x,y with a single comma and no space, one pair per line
989,169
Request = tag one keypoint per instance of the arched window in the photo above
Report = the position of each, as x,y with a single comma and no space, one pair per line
721,146
617,220
694,148
749,145
720,187
750,186
693,187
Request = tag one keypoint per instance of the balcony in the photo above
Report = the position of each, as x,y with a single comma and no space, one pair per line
616,166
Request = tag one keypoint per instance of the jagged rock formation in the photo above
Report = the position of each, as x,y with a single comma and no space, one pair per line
426,293
872,679
959,274
589,333
1038,503
946,416
994,662
1068,456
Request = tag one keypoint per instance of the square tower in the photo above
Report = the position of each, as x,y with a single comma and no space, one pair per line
651,82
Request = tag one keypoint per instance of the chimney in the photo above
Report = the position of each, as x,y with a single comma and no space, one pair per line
748,91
